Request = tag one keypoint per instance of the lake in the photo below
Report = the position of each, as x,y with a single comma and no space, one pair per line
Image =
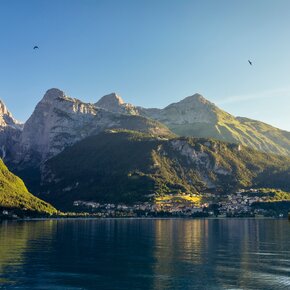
145,254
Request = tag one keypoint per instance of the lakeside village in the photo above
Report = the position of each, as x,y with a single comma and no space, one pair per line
243,203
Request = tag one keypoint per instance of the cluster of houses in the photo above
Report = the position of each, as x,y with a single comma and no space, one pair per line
140,209
235,204
239,203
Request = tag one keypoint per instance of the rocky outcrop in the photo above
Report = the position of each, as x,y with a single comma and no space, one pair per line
6,118
10,131
193,109
115,103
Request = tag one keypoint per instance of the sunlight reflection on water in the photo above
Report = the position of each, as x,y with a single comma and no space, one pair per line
145,254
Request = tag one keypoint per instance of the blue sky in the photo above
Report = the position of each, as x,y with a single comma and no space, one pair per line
151,52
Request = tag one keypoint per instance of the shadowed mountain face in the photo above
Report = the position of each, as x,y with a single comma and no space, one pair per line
118,166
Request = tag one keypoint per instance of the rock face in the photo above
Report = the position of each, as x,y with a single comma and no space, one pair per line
10,130
193,109
6,118
59,121
115,103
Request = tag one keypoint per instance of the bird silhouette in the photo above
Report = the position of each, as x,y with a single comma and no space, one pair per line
250,62
35,47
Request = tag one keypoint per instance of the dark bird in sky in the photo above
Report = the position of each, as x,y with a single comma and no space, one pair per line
35,47
250,62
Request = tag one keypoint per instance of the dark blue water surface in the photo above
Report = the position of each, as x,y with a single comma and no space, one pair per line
145,254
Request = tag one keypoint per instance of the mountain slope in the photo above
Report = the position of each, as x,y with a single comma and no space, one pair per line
128,166
14,195
196,116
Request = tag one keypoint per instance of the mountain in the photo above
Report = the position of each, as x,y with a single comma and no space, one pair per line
15,196
6,118
114,151
115,103
59,121
128,166
196,116
10,130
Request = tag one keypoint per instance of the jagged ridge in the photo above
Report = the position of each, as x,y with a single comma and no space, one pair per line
59,121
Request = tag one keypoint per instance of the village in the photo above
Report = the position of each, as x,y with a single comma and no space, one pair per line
242,203
238,204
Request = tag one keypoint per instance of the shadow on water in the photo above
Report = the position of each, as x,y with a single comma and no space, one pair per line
145,254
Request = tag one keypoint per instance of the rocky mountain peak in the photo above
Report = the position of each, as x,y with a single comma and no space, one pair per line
196,99
52,94
6,118
111,102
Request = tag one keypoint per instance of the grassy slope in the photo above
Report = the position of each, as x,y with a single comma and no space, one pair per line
255,134
127,166
14,194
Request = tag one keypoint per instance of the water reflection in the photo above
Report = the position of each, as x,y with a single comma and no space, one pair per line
222,254
14,243
145,254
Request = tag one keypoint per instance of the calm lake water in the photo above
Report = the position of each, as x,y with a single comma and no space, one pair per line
145,254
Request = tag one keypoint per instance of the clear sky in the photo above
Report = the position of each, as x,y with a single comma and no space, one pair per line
151,52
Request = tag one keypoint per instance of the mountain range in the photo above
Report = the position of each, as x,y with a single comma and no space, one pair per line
70,149
198,117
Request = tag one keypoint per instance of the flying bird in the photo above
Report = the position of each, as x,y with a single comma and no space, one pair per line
35,47
250,62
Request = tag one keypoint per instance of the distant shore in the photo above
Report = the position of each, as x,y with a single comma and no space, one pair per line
138,218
